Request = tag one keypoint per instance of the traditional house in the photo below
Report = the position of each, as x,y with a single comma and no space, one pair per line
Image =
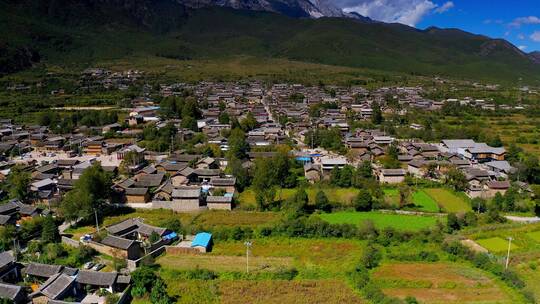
14,293
186,198
127,248
312,172
137,195
491,188
219,202
226,183
391,176
9,272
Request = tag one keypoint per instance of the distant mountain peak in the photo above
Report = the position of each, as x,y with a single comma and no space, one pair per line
292,8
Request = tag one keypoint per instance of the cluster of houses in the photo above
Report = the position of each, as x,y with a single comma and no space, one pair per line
45,283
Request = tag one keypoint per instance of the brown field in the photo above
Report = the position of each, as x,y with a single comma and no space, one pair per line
440,283
298,292
222,263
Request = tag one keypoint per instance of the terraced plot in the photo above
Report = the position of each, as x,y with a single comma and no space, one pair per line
496,244
440,283
448,201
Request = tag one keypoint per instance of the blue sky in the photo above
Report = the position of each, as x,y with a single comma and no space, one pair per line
518,21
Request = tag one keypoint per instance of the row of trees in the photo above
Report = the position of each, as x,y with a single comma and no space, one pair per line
66,123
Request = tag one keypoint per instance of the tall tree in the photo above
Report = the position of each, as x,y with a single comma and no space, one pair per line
322,203
264,182
49,231
249,123
89,193
363,201
18,183
238,146
376,116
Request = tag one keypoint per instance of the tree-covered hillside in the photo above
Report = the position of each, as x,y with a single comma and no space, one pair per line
82,33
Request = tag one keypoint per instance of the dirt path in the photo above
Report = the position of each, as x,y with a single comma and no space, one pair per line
474,246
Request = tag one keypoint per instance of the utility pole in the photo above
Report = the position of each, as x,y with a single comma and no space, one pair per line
508,254
97,222
248,245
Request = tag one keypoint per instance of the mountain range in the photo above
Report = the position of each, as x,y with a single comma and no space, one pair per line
86,32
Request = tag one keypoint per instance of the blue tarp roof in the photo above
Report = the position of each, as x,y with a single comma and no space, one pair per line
202,239
170,236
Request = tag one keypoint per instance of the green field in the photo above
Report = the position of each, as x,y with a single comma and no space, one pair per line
534,235
496,244
448,201
383,220
425,202
342,196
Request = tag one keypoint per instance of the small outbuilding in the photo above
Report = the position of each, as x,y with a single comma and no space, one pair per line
202,242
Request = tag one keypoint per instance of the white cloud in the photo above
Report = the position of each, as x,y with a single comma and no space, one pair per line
522,47
525,20
445,7
535,36
521,36
408,12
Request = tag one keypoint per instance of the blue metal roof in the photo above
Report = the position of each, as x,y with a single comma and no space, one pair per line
202,239
170,236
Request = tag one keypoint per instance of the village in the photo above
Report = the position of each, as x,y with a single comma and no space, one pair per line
193,151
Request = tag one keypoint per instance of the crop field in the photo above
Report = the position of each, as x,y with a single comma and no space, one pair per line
440,283
425,202
344,196
524,238
299,292
383,220
448,201
496,244
314,258
220,263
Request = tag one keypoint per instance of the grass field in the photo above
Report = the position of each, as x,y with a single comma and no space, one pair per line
314,258
448,201
298,292
205,218
534,236
440,283
496,244
425,202
220,263
382,220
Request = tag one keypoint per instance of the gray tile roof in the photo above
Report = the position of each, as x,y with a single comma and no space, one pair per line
56,285
149,180
136,191
42,270
225,181
219,199
186,193
9,291
393,172
5,259
89,277
117,242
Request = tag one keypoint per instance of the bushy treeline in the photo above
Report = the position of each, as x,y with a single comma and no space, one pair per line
485,262
66,123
